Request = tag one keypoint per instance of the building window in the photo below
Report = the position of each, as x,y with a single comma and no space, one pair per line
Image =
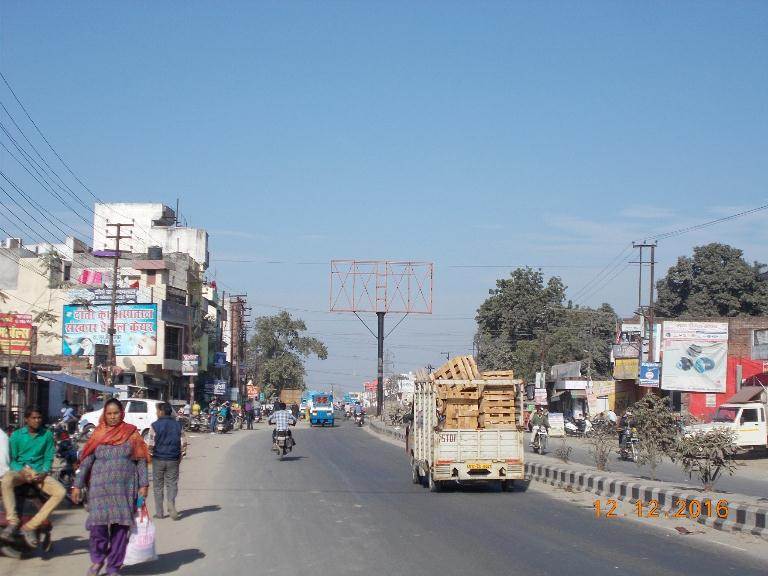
173,343
151,277
67,272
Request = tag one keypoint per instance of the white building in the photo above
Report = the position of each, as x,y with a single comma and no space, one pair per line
153,225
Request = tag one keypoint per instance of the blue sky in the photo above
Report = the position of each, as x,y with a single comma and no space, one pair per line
498,133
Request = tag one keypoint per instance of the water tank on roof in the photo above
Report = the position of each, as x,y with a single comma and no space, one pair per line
155,253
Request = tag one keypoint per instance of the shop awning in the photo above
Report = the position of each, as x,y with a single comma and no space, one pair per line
578,393
65,378
556,396
746,394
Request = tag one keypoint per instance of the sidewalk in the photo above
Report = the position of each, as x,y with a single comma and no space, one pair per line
178,543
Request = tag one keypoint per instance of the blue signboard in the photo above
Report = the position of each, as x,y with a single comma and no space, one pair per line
649,374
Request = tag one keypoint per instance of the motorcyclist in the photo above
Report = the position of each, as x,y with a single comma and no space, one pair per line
626,423
68,417
358,410
282,419
213,411
539,418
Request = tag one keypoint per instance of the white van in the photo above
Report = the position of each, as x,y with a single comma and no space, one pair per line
140,412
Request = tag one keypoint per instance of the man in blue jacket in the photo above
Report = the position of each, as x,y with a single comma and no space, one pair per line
165,440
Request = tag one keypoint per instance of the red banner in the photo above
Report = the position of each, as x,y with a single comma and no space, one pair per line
16,334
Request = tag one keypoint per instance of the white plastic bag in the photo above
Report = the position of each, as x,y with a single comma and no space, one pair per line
141,544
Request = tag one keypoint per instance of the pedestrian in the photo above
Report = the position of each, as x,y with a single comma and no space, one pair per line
249,413
213,412
30,457
166,440
113,465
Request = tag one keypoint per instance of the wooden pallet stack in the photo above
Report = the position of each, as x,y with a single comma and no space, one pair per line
497,406
458,403
457,368
468,399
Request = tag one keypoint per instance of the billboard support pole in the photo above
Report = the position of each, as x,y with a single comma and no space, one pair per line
111,357
380,377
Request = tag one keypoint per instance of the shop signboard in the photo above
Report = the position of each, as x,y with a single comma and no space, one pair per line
649,374
541,396
220,360
85,326
566,370
96,296
220,387
190,364
16,334
695,356
626,368
556,424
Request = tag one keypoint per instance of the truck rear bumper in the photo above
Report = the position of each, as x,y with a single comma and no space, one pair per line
479,471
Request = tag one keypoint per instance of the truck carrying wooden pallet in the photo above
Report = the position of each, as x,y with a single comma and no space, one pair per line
466,427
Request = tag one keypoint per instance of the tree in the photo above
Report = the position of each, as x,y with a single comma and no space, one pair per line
656,431
708,454
279,350
715,282
524,321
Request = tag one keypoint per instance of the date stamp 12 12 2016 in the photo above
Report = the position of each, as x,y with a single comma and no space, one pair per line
691,509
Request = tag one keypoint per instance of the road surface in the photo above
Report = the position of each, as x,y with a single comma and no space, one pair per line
343,504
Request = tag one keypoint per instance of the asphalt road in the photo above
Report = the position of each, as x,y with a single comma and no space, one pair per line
343,503
751,477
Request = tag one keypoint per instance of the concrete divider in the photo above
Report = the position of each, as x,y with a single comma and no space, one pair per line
381,428
738,514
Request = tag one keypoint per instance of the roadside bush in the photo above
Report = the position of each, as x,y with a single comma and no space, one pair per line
394,413
708,454
601,441
564,450
657,431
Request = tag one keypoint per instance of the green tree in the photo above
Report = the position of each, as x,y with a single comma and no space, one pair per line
278,349
716,281
656,431
524,321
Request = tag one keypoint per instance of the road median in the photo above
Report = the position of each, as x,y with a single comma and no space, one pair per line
738,512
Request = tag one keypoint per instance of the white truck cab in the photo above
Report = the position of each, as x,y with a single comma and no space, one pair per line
745,413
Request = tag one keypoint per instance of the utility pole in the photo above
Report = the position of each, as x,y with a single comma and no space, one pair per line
236,336
117,237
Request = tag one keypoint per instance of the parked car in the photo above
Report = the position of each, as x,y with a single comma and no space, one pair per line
140,412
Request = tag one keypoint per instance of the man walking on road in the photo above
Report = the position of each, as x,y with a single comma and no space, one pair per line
165,440
249,413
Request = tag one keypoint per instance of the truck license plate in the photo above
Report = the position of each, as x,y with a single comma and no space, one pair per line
478,465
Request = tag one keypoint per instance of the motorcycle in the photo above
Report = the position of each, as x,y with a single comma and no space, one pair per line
359,419
223,424
628,448
540,438
29,499
579,428
283,443
66,452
